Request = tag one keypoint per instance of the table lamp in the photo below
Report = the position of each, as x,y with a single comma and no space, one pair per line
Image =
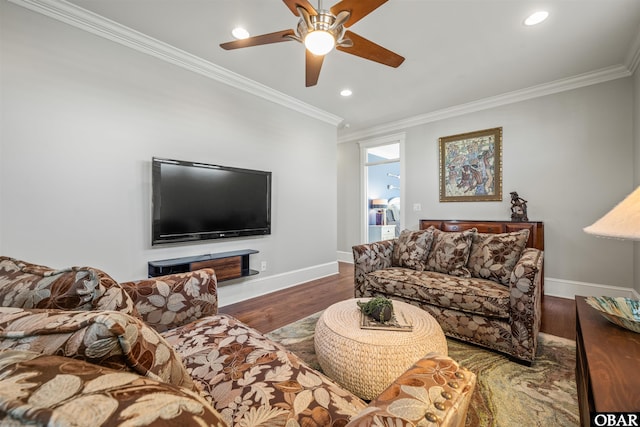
622,222
381,214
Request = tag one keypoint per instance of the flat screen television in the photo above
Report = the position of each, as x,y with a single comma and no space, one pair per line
198,201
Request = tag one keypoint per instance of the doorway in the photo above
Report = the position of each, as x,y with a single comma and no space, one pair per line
382,188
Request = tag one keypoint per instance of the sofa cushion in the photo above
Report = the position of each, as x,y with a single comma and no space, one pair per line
411,249
26,285
450,252
173,300
245,376
108,338
493,256
42,389
469,294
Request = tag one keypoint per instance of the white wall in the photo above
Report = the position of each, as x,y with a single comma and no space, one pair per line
81,119
569,154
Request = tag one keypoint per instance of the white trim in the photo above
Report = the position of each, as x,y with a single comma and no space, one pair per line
587,79
569,289
398,138
259,286
83,19
633,57
344,256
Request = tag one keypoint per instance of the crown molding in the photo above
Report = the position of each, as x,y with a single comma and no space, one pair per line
633,57
562,85
83,19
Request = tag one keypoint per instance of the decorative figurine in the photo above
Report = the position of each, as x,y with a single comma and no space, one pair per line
518,208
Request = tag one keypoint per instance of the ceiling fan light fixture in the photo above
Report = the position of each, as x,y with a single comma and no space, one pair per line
240,33
319,42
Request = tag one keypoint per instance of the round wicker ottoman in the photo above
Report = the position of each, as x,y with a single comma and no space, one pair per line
366,361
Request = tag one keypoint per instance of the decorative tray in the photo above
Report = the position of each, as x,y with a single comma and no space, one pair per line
393,324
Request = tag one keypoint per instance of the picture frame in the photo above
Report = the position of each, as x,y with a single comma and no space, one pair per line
471,166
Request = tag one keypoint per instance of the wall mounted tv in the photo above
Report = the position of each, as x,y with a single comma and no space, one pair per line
197,201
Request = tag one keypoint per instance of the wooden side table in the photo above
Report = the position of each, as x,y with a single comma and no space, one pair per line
608,361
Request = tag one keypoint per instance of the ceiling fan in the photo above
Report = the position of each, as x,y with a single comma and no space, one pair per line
321,30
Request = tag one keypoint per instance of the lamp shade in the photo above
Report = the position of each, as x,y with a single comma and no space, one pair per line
622,222
379,203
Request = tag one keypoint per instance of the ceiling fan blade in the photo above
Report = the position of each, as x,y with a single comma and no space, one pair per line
293,6
313,64
279,36
369,50
358,9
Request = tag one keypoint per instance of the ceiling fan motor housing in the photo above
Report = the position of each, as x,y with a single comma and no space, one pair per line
323,21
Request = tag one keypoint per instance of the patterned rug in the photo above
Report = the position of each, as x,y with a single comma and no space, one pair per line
508,393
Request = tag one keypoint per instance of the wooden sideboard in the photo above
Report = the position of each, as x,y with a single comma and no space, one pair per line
536,231
607,364
536,228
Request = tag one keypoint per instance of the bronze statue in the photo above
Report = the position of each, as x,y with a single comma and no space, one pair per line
518,208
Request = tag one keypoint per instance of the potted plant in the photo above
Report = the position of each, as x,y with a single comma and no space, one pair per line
378,308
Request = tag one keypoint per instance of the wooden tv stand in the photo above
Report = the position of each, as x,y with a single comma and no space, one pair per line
228,265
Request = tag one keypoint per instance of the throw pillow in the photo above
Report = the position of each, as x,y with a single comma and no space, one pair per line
55,390
107,338
26,285
493,256
173,300
411,249
450,252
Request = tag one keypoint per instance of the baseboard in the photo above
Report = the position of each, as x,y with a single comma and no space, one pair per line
243,289
558,287
569,289
345,257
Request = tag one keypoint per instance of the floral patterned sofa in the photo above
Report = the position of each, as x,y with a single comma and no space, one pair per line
482,288
78,348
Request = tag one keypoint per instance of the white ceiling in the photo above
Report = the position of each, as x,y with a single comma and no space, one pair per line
457,51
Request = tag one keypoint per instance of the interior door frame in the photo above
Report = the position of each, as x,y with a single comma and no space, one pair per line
398,138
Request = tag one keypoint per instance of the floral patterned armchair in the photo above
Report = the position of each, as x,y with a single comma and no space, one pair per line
78,347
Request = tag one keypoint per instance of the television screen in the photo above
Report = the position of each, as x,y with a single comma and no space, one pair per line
198,201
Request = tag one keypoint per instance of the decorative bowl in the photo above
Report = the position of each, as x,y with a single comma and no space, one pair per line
623,312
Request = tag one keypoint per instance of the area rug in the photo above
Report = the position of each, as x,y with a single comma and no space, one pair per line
508,393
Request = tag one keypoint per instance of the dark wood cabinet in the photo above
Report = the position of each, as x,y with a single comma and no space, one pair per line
536,231
536,228
607,364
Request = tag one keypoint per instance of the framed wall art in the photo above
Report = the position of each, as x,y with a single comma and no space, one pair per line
471,166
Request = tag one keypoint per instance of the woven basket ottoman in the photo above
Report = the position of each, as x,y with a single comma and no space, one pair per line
366,361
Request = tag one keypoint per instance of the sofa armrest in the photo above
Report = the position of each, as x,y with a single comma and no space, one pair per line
370,257
436,390
173,300
526,311
56,390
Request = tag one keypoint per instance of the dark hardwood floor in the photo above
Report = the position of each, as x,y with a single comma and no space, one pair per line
277,309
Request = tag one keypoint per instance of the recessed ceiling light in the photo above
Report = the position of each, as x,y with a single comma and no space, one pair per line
240,33
536,18
346,92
